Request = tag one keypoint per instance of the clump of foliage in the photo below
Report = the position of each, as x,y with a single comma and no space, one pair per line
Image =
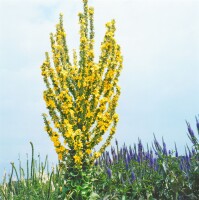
157,173
124,173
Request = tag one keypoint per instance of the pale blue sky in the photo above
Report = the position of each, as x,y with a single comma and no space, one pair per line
160,79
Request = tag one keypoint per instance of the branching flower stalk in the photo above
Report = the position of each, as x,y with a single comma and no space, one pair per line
81,95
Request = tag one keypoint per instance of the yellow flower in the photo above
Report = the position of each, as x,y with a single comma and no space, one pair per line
91,11
57,125
89,114
68,134
103,128
72,113
80,154
56,143
99,139
83,39
88,151
54,138
97,154
62,149
116,117
79,84
51,104
78,131
112,131
77,159
60,156
84,128
45,128
66,151
78,145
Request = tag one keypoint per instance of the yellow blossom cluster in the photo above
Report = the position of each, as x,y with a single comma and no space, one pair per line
81,96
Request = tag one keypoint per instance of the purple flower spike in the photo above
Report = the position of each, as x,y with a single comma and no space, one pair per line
181,166
96,162
186,157
164,147
156,166
116,158
191,133
140,146
116,142
176,153
110,161
112,150
128,157
197,124
151,161
135,147
190,154
138,158
193,152
124,149
151,152
109,172
120,156
100,163
130,151
133,176
147,156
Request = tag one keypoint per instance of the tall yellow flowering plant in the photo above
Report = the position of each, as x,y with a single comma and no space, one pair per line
81,95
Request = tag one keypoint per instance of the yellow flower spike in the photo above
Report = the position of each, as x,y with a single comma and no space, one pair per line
82,96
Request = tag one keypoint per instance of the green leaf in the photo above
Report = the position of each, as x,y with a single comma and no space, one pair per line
123,197
106,197
94,196
164,166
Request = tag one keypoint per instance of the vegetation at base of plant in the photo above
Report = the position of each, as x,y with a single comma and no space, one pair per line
123,173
